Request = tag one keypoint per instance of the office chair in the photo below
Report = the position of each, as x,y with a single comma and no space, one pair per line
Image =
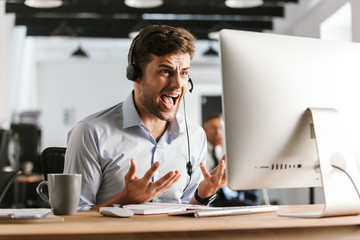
4,145
52,160
6,179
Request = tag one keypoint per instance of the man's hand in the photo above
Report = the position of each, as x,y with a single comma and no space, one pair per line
213,181
139,190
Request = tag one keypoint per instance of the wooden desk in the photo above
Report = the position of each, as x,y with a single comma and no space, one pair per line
91,225
34,178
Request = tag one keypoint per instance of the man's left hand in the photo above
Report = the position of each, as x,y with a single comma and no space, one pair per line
213,181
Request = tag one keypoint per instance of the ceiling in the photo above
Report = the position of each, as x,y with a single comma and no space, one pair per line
113,19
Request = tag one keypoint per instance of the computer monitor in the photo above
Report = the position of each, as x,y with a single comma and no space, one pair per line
292,115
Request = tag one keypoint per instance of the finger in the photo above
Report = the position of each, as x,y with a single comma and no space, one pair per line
132,170
150,173
220,170
168,183
221,166
224,176
204,171
159,183
224,179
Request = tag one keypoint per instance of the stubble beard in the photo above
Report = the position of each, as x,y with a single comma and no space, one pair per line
149,102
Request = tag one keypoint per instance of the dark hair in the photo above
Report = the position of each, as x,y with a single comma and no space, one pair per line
211,116
160,40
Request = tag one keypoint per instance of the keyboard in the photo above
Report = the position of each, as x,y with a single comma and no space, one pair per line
226,211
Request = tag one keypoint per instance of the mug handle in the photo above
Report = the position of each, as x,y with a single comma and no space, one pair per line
39,190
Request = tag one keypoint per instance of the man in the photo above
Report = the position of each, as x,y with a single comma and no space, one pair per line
138,150
213,126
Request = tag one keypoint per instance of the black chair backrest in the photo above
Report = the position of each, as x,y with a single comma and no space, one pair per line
52,160
4,145
6,178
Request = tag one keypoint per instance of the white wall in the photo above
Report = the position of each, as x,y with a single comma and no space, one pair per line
82,87
304,19
6,27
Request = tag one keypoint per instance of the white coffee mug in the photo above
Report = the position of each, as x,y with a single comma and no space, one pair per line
64,192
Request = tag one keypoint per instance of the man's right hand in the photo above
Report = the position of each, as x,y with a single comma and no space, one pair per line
139,190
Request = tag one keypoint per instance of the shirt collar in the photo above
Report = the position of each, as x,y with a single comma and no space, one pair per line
174,127
131,118
130,115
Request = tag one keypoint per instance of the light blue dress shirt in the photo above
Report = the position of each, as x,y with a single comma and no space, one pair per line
101,145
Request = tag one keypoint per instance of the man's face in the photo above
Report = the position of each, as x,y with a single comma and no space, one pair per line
162,85
214,131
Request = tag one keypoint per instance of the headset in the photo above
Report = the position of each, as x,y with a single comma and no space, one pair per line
133,72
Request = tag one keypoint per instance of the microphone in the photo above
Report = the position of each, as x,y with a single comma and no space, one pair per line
188,165
191,85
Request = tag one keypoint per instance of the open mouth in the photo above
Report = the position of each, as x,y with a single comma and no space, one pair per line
169,101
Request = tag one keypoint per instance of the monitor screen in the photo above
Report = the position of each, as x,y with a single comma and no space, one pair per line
269,83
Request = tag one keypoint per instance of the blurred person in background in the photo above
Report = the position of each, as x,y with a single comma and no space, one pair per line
213,126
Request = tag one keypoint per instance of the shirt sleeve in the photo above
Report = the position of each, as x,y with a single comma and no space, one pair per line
197,175
82,156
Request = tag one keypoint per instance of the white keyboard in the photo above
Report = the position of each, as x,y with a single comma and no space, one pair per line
226,211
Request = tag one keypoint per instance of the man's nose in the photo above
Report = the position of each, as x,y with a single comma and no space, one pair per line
176,81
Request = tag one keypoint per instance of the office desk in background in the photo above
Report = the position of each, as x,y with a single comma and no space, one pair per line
24,191
91,225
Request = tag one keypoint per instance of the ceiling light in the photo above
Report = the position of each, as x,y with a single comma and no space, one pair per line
144,3
79,52
43,3
243,3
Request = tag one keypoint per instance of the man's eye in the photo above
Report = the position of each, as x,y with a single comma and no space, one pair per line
185,73
165,71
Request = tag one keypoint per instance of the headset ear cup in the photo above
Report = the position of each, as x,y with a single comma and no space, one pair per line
132,72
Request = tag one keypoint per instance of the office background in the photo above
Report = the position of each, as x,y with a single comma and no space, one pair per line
39,75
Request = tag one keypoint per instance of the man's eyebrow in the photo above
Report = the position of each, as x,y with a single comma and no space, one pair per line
170,67
166,66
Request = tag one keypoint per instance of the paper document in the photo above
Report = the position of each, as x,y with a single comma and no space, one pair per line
24,213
